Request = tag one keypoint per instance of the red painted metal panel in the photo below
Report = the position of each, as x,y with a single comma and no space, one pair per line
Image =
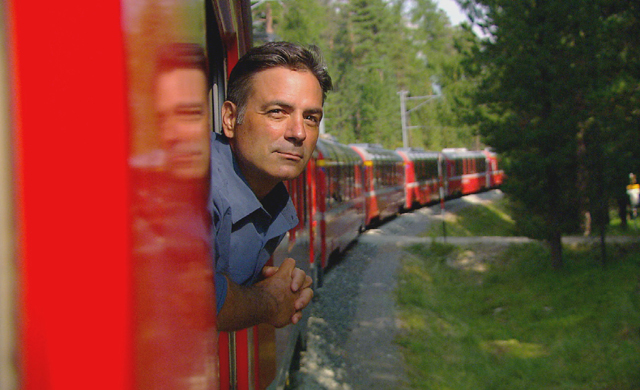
71,144
225,361
243,368
255,343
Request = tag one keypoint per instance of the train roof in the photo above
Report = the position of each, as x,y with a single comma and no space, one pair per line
375,152
418,153
331,150
463,153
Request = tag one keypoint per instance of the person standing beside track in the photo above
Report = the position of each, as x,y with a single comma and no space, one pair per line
270,125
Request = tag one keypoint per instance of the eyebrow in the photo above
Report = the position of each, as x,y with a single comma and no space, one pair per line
290,106
315,111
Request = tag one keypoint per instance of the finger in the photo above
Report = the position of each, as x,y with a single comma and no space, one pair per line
307,282
287,266
303,300
298,279
268,271
296,318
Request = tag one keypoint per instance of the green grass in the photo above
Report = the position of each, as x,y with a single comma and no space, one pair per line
491,219
519,324
615,228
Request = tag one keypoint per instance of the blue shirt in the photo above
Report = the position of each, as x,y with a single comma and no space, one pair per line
245,231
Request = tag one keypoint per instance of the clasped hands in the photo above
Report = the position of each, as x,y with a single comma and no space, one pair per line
289,289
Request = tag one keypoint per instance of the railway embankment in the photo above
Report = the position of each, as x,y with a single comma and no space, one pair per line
353,327
353,324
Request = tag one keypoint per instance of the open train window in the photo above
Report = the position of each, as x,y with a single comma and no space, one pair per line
217,68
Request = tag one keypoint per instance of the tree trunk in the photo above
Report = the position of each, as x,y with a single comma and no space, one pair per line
555,247
603,245
622,212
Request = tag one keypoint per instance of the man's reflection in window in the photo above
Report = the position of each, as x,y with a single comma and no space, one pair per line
175,302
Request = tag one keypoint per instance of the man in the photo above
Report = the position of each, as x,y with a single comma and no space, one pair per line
270,125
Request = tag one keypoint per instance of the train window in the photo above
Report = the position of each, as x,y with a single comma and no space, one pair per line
217,69
482,164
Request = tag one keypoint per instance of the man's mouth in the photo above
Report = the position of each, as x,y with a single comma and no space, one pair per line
291,155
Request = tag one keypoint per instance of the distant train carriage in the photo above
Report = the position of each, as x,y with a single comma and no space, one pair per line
340,172
383,181
495,175
421,176
329,200
465,171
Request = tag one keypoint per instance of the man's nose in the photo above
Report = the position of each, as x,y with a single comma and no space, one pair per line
296,131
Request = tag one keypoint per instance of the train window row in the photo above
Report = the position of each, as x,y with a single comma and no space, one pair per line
387,174
463,166
341,183
426,169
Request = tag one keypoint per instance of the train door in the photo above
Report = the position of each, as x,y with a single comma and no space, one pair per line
487,172
443,176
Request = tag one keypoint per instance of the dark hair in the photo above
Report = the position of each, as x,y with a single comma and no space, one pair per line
181,55
272,55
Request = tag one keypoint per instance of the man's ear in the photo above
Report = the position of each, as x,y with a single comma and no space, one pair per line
229,118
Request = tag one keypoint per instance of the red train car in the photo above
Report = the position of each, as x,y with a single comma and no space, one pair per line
465,171
108,265
383,181
330,203
342,201
94,232
421,176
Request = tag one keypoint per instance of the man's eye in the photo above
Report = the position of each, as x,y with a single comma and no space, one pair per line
276,113
312,119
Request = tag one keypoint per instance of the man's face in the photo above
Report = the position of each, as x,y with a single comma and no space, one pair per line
280,127
181,105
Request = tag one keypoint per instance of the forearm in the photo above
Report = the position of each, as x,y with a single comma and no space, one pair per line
244,307
278,299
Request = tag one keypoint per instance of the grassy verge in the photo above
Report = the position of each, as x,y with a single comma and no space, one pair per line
509,321
490,219
493,219
519,324
615,228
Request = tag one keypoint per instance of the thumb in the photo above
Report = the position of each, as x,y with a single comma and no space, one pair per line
268,271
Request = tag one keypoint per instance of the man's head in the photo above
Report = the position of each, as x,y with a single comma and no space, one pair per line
271,55
182,110
273,112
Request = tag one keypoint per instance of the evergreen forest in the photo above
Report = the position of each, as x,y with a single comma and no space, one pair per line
553,86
